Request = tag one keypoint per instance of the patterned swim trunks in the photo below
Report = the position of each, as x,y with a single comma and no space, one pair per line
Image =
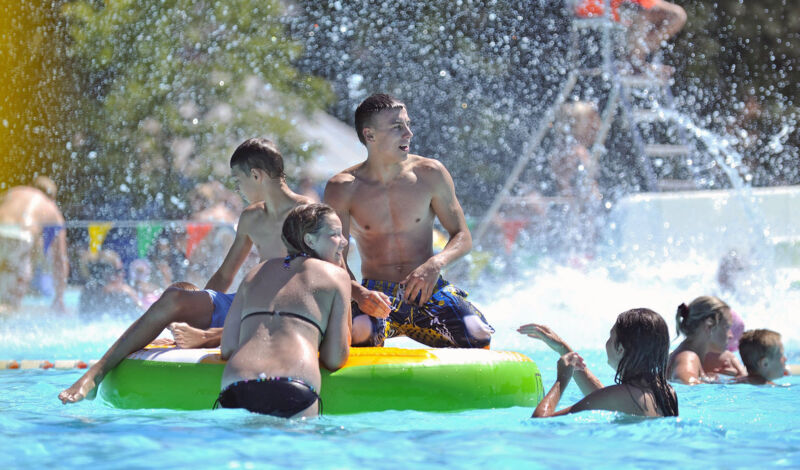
447,320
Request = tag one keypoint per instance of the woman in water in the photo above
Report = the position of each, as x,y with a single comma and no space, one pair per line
706,323
637,349
289,315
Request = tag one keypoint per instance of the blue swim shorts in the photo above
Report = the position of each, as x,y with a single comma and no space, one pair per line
447,320
222,303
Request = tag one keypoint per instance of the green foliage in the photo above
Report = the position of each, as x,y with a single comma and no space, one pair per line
173,86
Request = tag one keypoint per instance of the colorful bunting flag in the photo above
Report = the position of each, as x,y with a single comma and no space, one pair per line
97,234
195,233
145,234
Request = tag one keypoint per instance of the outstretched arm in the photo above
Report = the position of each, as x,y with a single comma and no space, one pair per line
687,368
447,208
584,378
222,279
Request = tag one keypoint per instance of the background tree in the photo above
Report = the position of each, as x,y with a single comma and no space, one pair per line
171,87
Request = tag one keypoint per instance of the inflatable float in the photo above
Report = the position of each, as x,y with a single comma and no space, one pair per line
373,379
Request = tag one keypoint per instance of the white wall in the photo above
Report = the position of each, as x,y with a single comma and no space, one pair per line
709,222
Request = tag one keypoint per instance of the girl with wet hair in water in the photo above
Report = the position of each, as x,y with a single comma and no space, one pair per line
289,315
706,323
637,349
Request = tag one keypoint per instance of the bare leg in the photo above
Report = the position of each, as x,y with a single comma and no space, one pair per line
192,307
362,329
187,337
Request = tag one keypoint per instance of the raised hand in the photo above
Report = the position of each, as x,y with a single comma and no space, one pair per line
546,335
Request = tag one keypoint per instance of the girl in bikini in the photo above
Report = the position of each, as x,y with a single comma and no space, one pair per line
637,349
706,323
289,315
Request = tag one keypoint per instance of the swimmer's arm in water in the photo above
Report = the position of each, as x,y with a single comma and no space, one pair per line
586,381
222,279
566,365
335,347
337,195
447,209
688,369
613,398
231,330
736,365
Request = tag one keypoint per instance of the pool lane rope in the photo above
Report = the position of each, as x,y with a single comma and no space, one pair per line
65,364
61,364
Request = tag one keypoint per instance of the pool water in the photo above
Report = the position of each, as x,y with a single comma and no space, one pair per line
720,426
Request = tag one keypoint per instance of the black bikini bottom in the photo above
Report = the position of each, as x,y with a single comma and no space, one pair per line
276,396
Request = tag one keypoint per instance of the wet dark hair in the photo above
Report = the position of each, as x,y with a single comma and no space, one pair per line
372,106
261,154
308,218
688,318
644,337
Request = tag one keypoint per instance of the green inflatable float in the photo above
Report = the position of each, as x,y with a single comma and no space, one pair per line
373,379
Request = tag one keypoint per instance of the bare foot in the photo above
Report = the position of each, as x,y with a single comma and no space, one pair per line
187,337
85,387
163,342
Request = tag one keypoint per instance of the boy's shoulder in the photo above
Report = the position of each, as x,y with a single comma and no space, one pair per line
253,210
255,213
419,162
342,186
346,176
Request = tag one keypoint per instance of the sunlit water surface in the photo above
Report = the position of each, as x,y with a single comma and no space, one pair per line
720,426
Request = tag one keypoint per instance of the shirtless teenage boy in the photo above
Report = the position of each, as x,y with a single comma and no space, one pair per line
388,203
257,167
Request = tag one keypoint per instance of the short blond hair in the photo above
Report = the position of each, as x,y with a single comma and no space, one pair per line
756,345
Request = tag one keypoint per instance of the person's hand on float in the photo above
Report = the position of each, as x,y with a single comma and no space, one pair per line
547,336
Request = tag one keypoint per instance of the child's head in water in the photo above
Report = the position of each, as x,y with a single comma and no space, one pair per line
638,348
762,354
707,316
639,345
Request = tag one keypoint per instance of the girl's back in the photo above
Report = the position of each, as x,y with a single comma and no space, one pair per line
283,317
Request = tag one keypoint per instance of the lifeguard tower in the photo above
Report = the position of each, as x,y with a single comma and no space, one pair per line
665,147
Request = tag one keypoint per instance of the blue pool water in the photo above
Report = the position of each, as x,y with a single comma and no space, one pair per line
720,426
